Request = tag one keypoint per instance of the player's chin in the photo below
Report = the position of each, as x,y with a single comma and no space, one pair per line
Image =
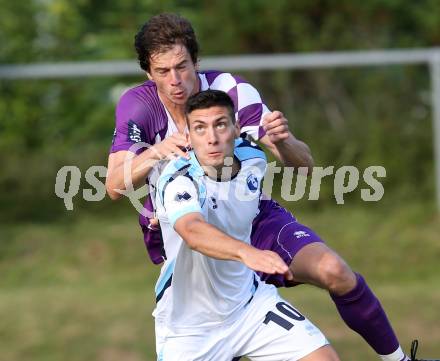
217,162
179,101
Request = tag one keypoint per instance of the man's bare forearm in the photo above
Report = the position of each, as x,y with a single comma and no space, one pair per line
294,153
130,169
140,165
208,240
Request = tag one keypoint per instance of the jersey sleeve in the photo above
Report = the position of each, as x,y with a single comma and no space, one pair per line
250,110
180,197
249,106
131,116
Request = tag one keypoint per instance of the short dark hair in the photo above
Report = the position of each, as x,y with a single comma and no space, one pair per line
210,98
162,32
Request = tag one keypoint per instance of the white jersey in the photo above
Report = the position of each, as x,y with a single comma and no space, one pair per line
195,291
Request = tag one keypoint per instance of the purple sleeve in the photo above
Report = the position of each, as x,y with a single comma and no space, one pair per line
132,117
249,106
250,109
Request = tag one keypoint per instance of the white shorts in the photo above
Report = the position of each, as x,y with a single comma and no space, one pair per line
269,329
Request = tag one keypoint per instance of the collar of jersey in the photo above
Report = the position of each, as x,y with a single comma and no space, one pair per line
198,170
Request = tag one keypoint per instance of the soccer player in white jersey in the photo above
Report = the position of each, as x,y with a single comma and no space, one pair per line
153,113
211,305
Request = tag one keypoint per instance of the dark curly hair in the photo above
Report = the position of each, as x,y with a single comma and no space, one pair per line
207,99
162,32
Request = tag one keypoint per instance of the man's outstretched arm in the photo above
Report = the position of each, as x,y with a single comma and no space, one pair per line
203,237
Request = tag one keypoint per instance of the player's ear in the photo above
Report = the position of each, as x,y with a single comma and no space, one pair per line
149,76
197,65
237,129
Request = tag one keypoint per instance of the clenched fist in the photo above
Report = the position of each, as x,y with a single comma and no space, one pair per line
276,126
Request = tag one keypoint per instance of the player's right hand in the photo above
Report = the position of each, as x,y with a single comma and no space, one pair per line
171,147
265,261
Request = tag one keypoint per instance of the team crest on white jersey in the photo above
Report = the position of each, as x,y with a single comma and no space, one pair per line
301,234
252,182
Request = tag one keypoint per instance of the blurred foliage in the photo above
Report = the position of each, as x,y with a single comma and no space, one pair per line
360,116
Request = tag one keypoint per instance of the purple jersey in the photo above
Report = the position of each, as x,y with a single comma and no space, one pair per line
141,117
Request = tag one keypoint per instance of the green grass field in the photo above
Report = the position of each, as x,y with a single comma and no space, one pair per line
82,288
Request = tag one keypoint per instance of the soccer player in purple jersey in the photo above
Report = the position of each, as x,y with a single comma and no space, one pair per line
153,113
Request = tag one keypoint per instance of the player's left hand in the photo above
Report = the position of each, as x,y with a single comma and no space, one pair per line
276,126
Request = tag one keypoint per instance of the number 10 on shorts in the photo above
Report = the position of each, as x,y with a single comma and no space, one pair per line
286,310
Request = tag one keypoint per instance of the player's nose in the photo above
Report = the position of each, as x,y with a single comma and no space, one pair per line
211,136
175,77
